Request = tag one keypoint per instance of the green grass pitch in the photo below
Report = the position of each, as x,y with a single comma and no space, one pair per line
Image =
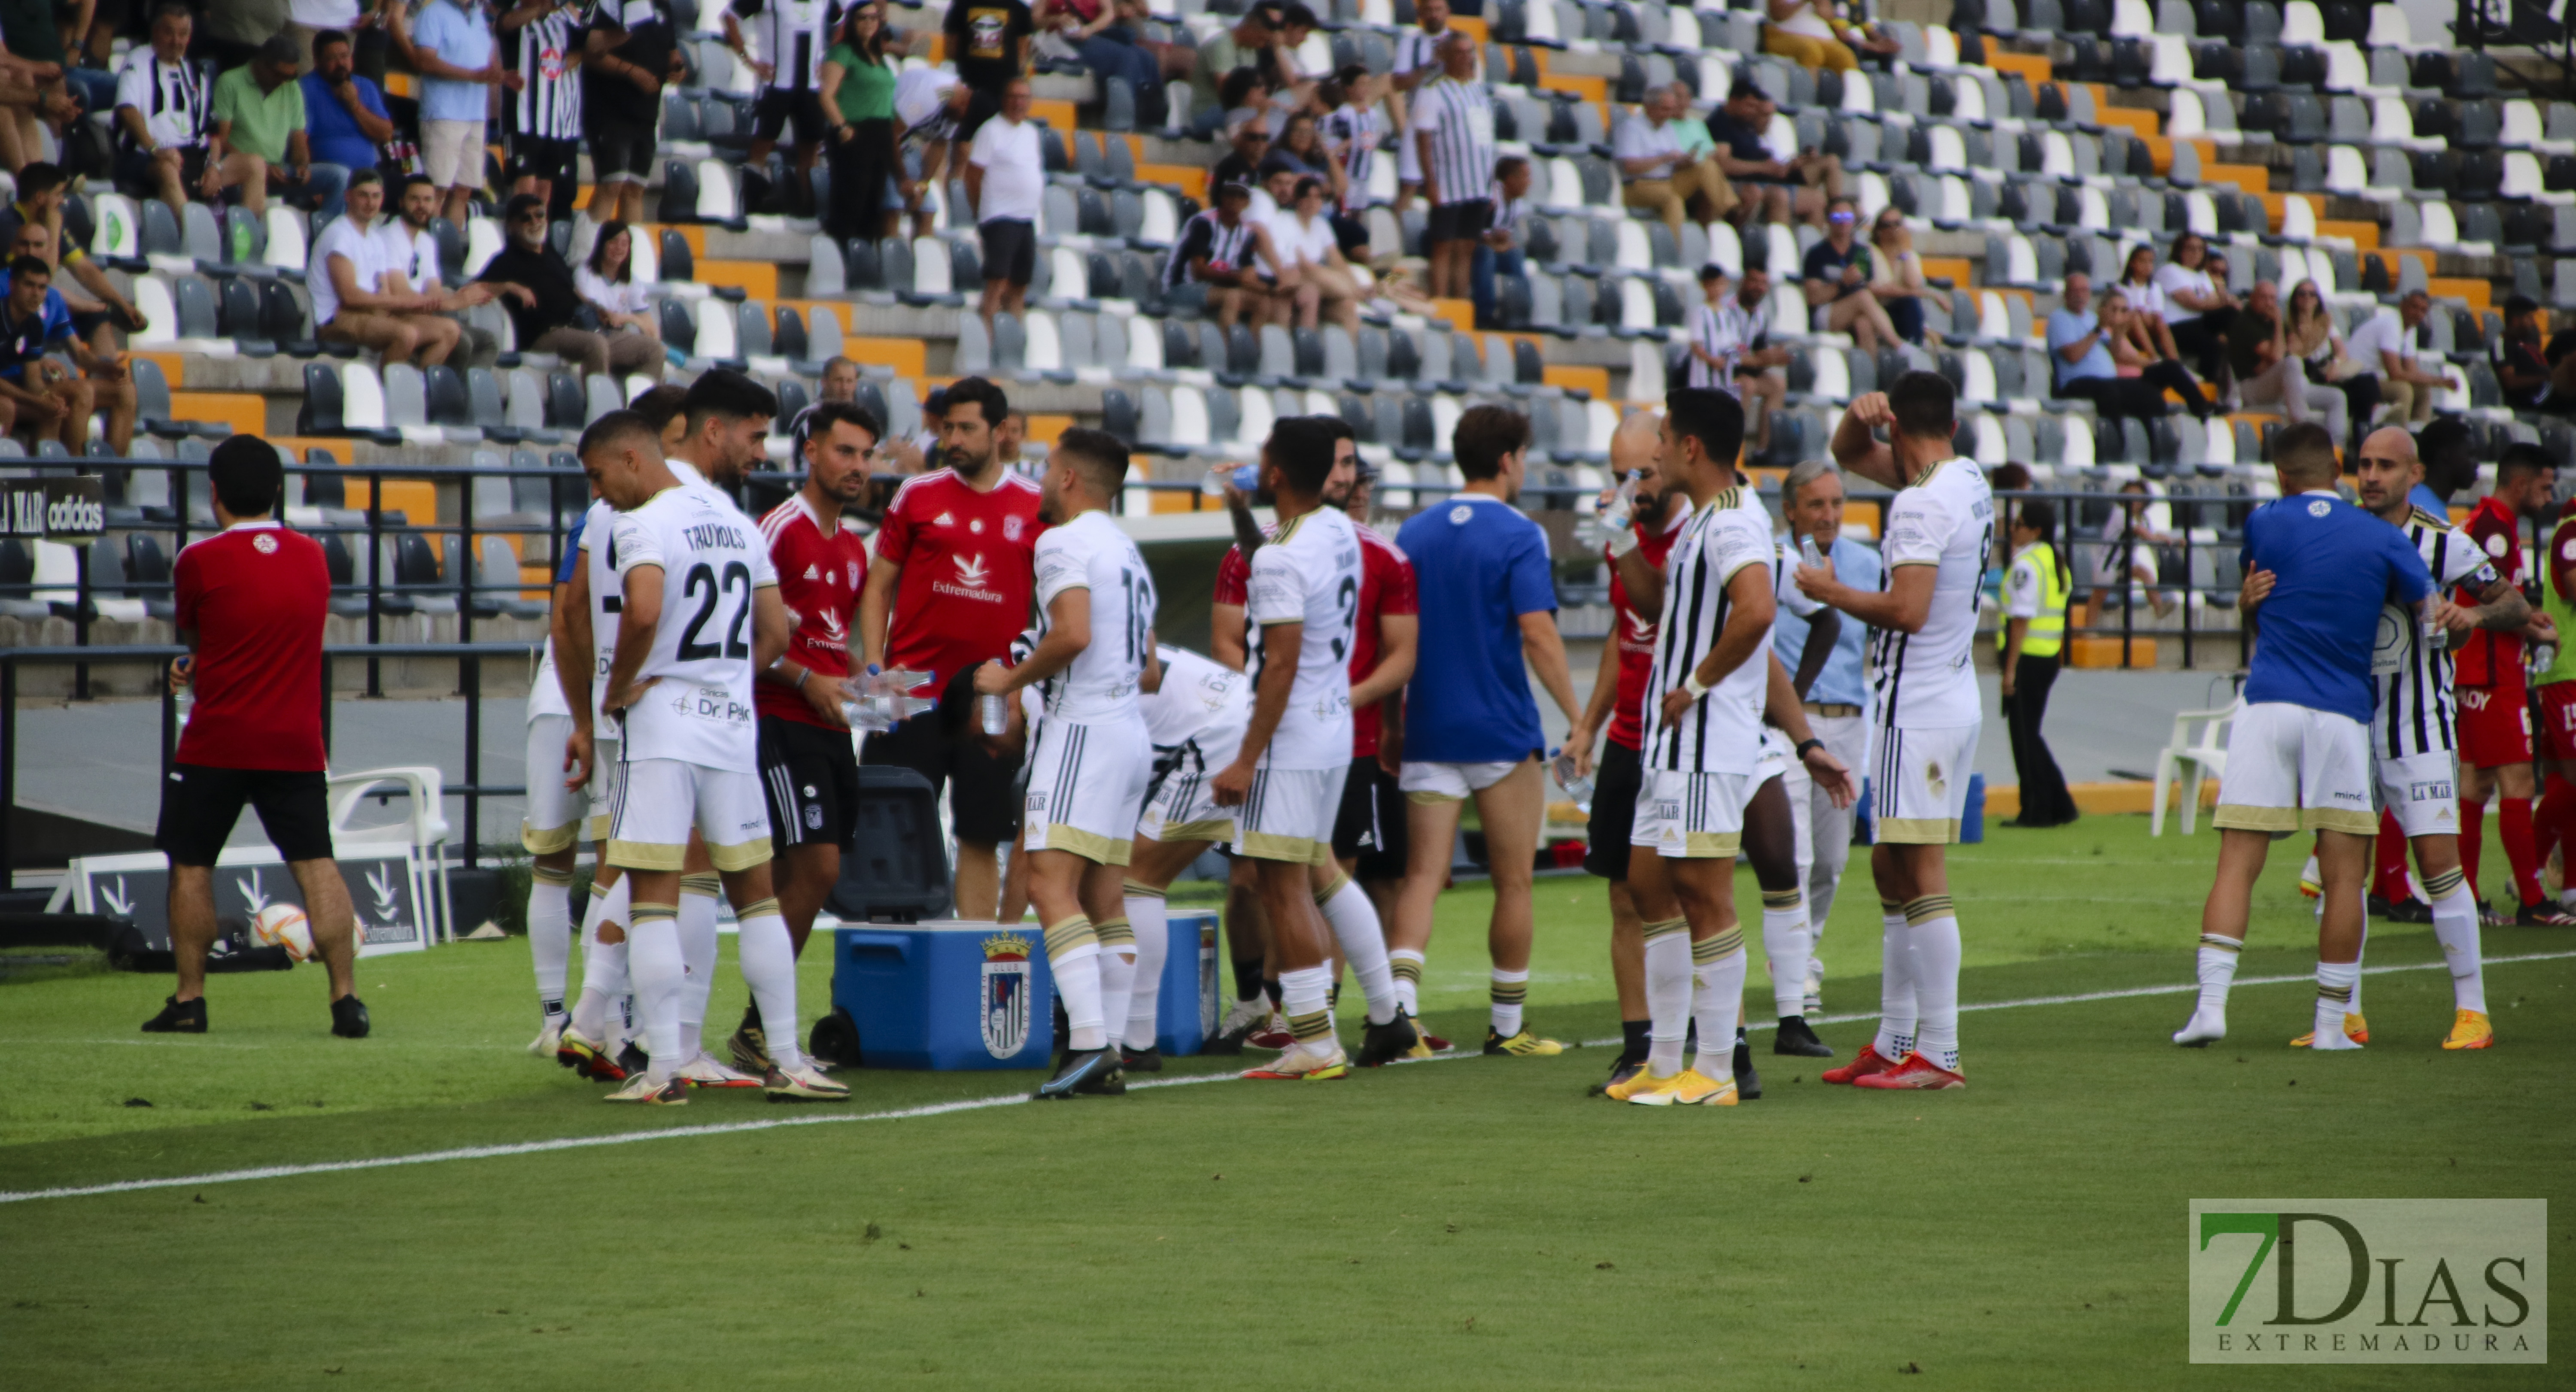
1476,1223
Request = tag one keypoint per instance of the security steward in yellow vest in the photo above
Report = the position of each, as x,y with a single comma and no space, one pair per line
2031,639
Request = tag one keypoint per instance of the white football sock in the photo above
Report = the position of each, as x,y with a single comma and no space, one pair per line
698,952
1117,977
1073,957
1785,938
550,932
2455,927
1668,995
1935,967
768,960
2217,976
1510,992
1355,926
1895,985
659,975
1718,967
2360,955
603,967
1305,997
1405,963
2334,998
1150,915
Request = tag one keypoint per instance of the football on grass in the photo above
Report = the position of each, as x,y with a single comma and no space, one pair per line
283,925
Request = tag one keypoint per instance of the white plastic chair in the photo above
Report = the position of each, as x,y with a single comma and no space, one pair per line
2198,751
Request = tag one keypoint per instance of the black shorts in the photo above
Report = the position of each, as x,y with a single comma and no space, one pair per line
1010,250
134,171
200,803
537,157
1371,822
810,778
618,150
1462,221
1616,781
985,803
778,107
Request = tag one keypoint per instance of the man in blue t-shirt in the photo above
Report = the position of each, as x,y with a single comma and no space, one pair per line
344,115
1487,603
2319,573
38,391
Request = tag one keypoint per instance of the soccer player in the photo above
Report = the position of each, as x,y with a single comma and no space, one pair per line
1939,537
1091,759
1195,712
947,590
550,830
1287,775
1706,758
2494,700
1657,513
251,604
689,751
2410,735
1470,726
809,769
2299,755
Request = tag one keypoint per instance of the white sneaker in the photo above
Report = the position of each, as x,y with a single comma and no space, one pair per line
1245,1015
550,1037
803,1083
2206,1027
670,1092
703,1071
1815,1002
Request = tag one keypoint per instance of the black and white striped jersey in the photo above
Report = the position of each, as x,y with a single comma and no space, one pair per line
1415,50
2413,684
176,100
1356,131
1226,248
1722,731
1459,117
1927,679
790,36
542,52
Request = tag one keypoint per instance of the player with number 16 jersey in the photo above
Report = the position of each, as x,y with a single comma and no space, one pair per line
1093,759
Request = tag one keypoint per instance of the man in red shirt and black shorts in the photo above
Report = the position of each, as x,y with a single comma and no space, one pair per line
947,591
2494,720
251,601
1618,695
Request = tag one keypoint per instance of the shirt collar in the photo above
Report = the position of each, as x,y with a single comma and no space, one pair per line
2319,493
254,524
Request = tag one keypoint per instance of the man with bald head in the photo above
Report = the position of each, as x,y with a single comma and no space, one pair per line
2268,373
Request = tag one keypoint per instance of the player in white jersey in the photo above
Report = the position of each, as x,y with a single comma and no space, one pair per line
1286,778
1939,536
1707,692
1090,758
550,830
2410,736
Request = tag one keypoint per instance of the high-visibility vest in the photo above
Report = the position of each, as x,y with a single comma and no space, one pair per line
2563,666
2046,634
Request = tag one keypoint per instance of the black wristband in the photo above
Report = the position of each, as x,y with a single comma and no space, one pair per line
1806,744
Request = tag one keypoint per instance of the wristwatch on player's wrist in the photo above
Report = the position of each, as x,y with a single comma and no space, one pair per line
1806,744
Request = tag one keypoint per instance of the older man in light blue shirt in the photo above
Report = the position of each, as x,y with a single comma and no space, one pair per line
453,49
1836,700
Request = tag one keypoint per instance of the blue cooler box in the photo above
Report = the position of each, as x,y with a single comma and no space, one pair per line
1185,1015
946,994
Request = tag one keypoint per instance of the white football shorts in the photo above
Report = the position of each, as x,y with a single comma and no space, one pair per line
2421,789
1087,786
1179,805
1289,815
1428,782
1918,787
1692,816
659,801
2290,768
555,813
604,774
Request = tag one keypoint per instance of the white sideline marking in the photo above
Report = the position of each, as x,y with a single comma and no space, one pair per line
977,1104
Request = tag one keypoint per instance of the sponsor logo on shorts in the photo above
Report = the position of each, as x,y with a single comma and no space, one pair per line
1037,802
2431,790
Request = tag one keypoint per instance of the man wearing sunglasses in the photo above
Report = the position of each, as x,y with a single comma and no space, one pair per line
1837,276
536,287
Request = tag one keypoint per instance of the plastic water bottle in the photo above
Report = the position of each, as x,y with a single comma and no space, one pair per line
2436,637
1808,552
1621,514
996,713
879,701
1577,786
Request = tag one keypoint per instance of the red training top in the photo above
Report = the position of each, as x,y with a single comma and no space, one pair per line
256,595
1637,635
818,580
2485,657
1386,587
968,563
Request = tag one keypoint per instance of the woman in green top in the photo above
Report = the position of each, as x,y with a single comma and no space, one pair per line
858,95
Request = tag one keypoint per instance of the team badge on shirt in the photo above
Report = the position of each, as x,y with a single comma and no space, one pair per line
264,545
1004,1002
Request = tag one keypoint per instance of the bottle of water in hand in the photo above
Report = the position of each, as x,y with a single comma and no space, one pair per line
1577,786
878,701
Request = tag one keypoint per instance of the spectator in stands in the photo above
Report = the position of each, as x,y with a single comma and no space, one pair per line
1302,146
1092,29
1731,348
346,280
43,396
794,36
1661,179
857,92
1689,127
1813,34
252,601
2134,352
1771,190
228,36
40,86
2385,344
1290,85
41,203
1242,164
2138,286
543,117
163,111
1453,138
988,41
1503,248
1316,280
2080,352
606,281
259,114
2258,353
413,265
840,383
1214,259
536,286
1417,62
2323,354
2521,365
928,104
2130,537
457,59
308,20
1005,179
1213,84
345,118
1896,273
628,54
2198,306
1350,133
1837,275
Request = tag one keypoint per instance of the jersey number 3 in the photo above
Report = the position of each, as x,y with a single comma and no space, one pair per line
703,586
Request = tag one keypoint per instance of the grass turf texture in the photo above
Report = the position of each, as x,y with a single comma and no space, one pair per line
1474,1224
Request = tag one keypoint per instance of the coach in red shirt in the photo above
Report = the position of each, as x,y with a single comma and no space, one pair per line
251,601
808,767
947,591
